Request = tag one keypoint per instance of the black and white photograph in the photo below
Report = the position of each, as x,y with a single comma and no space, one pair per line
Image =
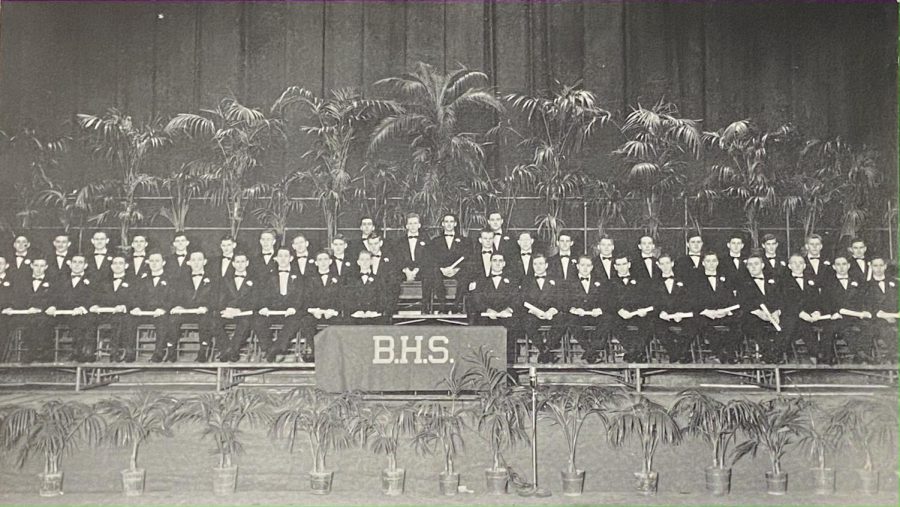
432,252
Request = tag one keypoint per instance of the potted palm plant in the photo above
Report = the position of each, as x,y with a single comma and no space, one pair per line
569,408
330,421
718,424
53,430
221,417
866,425
776,425
501,413
385,428
652,424
818,436
439,426
133,421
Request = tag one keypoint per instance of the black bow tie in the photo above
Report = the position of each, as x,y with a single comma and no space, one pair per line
539,276
284,270
118,277
38,279
798,277
843,278
240,275
412,237
526,253
449,235
76,276
606,258
376,256
496,276
138,256
61,256
710,276
860,258
584,278
180,255
268,253
668,277
816,257
486,252
694,255
759,278
22,255
197,276
229,257
564,256
302,257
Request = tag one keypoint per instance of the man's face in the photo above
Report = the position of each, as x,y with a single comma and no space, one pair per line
374,244
735,246
300,244
366,226
695,245
495,221
878,267
606,247
754,266
156,262
412,225
61,244
646,245
497,263
227,246
21,244
525,242
117,266
77,265
364,262
796,264
841,266
710,263
240,263
665,265
539,264
196,261
585,266
323,262
139,244
3,265
622,266
266,242
564,243
814,246
38,266
858,249
486,240
338,246
771,247
99,240
180,243
283,258
448,223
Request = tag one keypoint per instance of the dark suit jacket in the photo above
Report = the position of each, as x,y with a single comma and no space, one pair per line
105,294
857,273
704,297
444,257
600,269
751,297
678,300
639,268
685,270
323,295
358,296
259,268
825,269
551,296
882,300
206,294
597,296
25,296
348,268
736,276
214,267
23,271
515,266
555,269
270,295
401,252
796,300
65,296
835,297
175,270
54,270
150,297
629,293
309,264
486,296
778,271
244,298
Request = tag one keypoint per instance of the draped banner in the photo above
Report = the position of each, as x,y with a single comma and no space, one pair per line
399,358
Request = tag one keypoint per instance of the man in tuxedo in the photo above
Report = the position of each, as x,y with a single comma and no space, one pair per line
563,265
503,242
674,321
412,254
478,265
449,252
733,265
385,266
263,263
221,266
542,300
690,266
587,305
197,292
323,300
98,261
817,267
494,302
366,227
774,265
117,293
137,262
519,266
715,304
603,261
304,264
177,266
281,291
58,263
881,296
802,305
33,293
341,266
362,299
153,293
239,298
845,301
632,320
644,266
6,298
20,261
74,294
859,263
761,298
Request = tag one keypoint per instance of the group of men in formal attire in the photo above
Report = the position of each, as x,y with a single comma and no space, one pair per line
719,302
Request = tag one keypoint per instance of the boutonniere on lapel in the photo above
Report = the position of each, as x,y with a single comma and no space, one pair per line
293,277
596,284
827,263
721,278
422,243
771,281
45,285
109,257
346,263
854,284
385,259
85,281
27,261
124,284
5,283
552,282
205,281
163,282
680,284
891,284
811,283
505,238
249,283
334,280
311,261
783,264
143,275
632,282
456,240
506,280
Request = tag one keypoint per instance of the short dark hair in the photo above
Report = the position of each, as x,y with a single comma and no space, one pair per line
486,229
768,237
373,235
338,236
666,255
179,234
228,237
